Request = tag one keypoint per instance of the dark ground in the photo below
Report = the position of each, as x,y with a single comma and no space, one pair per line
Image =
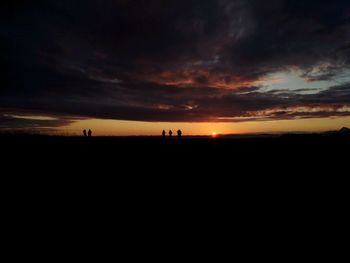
296,184
264,161
111,154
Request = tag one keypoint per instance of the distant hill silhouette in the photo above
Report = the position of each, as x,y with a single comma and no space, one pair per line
344,130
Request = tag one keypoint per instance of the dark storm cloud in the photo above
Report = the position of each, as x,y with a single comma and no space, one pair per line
25,122
197,104
156,60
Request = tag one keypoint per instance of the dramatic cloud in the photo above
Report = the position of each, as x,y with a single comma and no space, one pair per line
10,122
156,60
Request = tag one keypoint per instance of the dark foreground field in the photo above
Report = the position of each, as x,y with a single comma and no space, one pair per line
109,165
276,181
247,152
258,162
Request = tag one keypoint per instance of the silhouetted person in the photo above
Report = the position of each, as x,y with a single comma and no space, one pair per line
163,134
170,133
179,134
89,133
84,131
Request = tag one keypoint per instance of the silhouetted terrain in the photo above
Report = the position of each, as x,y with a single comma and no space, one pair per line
279,175
223,152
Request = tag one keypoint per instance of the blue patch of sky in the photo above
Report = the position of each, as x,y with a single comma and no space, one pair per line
291,81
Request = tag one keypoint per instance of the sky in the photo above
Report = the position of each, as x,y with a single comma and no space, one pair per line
136,67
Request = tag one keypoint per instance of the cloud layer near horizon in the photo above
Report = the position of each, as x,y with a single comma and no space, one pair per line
188,61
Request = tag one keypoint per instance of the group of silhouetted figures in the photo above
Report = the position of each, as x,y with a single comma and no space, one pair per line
179,134
87,134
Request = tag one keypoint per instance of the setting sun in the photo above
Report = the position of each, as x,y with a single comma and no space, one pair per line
214,134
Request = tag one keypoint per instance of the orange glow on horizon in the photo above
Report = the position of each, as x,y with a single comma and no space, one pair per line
101,127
